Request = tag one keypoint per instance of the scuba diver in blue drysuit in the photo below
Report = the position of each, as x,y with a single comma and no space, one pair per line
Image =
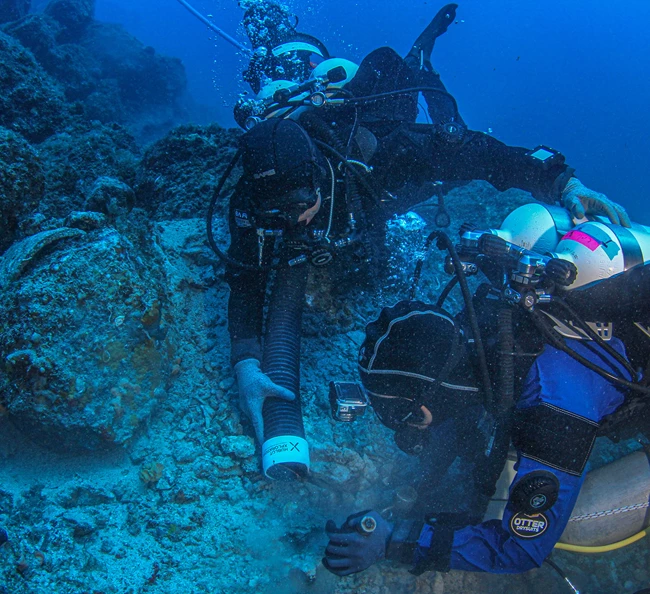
559,381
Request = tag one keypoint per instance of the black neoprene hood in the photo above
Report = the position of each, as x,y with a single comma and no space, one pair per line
416,351
278,157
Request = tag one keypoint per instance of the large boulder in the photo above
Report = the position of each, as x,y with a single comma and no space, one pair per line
73,15
69,63
113,76
21,183
178,174
39,33
75,158
84,352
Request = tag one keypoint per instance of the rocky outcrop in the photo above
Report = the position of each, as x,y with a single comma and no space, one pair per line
178,174
11,10
31,102
74,16
74,159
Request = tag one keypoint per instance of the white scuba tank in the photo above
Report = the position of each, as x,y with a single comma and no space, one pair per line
598,248
601,250
325,66
292,110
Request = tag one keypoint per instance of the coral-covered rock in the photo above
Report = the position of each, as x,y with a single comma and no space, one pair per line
110,196
12,10
70,64
21,183
31,103
74,159
178,174
83,351
73,15
38,33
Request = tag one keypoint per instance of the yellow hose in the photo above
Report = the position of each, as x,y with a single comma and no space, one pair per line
604,548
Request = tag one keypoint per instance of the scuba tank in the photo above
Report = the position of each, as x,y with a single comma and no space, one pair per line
289,99
599,249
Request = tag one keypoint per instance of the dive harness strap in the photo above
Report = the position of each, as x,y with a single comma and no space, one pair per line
426,546
557,438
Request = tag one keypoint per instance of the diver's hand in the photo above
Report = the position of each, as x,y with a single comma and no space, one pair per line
350,549
254,386
581,201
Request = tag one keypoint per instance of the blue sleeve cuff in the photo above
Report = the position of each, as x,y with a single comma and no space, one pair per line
433,550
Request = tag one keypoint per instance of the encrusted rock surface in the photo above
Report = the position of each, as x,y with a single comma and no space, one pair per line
178,174
21,183
85,353
11,10
105,72
31,103
78,158
74,16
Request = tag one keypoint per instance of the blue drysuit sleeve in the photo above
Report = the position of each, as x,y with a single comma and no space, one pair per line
557,379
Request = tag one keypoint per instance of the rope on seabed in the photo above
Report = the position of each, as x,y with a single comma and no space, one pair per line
610,512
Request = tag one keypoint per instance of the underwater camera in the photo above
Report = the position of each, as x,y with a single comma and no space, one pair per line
348,400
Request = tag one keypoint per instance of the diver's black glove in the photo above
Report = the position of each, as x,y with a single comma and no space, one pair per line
359,543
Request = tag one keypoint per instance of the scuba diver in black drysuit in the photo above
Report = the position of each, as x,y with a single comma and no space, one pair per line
320,183
281,52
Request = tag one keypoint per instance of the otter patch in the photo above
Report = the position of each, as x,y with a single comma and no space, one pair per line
528,526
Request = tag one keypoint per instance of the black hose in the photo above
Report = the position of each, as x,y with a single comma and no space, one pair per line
417,273
594,336
497,450
506,391
225,258
445,292
561,573
281,362
471,314
369,98
332,151
556,341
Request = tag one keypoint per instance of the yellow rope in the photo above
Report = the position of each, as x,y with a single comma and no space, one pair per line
603,548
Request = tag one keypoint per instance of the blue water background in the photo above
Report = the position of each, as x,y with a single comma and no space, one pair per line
571,74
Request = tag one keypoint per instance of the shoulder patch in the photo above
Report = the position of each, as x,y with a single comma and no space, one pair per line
526,526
